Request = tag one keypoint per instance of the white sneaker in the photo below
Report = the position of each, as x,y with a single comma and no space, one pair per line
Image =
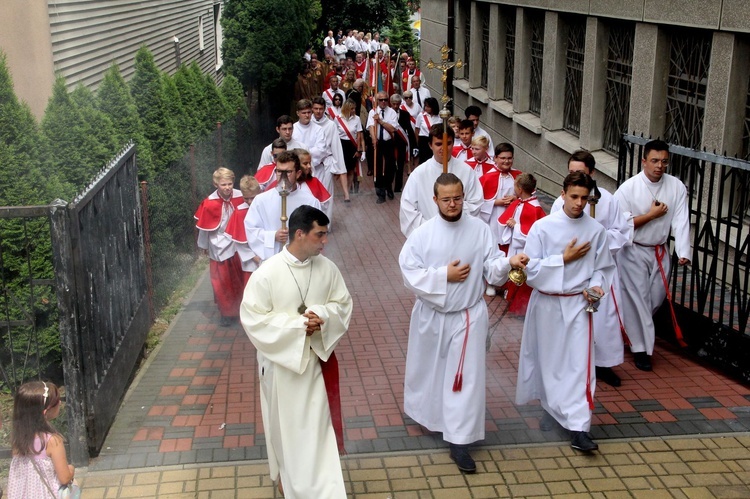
490,291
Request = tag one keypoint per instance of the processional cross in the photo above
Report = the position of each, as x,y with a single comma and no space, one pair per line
445,65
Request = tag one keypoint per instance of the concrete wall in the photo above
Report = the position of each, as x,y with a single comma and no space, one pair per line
542,146
80,39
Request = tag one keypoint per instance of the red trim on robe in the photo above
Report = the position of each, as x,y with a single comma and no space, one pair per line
208,214
318,190
236,226
458,148
330,371
491,182
487,165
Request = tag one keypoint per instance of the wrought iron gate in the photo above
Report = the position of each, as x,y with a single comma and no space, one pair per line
711,294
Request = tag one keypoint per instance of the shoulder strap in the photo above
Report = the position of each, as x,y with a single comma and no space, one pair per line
41,475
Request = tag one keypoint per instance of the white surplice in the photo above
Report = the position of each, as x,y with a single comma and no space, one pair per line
438,324
264,219
555,359
643,289
266,157
417,205
608,343
300,439
332,162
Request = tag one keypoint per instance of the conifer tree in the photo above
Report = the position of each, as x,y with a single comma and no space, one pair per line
234,96
114,100
159,125
191,99
217,107
71,145
175,109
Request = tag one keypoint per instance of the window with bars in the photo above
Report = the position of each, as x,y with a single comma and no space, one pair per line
746,128
689,58
618,85
510,52
574,53
467,37
484,15
537,62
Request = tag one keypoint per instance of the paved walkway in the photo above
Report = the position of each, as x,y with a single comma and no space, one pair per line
191,424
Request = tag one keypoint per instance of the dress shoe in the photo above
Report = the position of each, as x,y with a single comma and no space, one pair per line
607,375
390,194
460,454
582,441
547,422
225,321
642,361
380,201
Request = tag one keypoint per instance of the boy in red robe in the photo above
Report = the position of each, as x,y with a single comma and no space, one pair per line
236,227
212,218
515,223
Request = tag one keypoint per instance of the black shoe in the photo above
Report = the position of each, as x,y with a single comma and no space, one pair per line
380,201
582,441
642,361
225,321
607,375
390,194
356,188
547,422
460,454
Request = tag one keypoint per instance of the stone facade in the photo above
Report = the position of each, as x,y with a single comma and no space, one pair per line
656,80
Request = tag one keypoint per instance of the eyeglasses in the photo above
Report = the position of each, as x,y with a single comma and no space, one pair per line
664,162
281,172
505,160
409,98
456,200
382,100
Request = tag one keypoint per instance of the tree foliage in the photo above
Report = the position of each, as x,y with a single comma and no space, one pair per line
150,98
264,40
363,15
115,101
234,96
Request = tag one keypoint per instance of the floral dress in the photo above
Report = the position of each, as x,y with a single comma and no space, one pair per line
24,481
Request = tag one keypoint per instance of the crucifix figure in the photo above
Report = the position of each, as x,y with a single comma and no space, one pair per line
445,65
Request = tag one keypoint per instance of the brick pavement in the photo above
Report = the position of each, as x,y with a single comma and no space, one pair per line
196,401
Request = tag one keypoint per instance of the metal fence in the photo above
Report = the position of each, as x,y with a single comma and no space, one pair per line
712,294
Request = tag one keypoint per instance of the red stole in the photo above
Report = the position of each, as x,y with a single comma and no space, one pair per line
316,188
330,370
208,214
491,182
531,211
406,78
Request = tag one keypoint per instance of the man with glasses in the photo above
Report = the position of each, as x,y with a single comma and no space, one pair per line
382,122
263,221
657,203
444,263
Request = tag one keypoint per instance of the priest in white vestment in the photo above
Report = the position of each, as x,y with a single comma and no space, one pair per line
263,221
568,254
608,324
658,203
444,262
417,204
295,310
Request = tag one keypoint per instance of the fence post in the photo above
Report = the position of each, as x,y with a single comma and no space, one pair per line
147,250
219,155
62,256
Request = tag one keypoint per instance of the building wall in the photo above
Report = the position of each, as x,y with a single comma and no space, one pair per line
542,142
80,39
25,40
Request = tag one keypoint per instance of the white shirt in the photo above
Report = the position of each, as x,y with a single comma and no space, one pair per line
390,117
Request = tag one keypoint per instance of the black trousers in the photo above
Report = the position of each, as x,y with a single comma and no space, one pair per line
384,166
400,154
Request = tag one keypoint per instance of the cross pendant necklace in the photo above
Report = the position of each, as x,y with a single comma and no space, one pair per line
301,309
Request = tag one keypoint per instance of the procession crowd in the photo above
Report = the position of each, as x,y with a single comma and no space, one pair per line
595,269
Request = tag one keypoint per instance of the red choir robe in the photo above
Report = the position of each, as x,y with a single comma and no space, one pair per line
481,168
226,274
266,175
462,153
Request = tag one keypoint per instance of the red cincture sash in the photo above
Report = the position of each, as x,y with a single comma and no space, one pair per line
330,371
661,252
458,381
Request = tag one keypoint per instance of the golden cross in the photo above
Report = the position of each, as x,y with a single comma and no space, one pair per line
445,66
